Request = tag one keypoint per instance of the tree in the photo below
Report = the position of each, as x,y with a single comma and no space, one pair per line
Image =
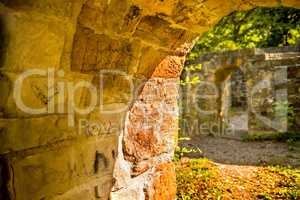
260,28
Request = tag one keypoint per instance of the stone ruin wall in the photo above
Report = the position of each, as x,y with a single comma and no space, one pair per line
42,157
247,84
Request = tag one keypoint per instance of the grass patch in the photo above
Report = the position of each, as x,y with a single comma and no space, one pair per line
280,137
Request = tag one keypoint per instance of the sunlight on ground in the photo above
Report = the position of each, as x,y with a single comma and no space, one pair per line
200,179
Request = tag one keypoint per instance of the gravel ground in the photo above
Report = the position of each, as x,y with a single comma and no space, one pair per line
229,151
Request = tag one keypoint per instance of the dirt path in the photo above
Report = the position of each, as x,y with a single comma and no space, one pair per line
229,151
237,179
238,170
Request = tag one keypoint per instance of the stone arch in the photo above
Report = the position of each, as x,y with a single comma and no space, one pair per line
193,26
147,40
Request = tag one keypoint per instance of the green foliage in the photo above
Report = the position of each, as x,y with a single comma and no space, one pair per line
294,35
288,137
260,28
183,151
286,171
284,110
290,189
197,180
194,68
191,80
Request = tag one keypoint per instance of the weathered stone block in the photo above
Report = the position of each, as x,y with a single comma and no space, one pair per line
164,183
197,15
149,59
159,32
21,134
32,93
157,6
103,121
170,67
61,8
92,190
160,90
93,52
114,16
242,5
33,42
47,174
152,121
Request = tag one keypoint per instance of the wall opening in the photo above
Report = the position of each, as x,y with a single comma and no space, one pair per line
236,100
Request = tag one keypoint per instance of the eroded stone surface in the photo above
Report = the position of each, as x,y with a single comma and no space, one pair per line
152,121
57,170
93,52
164,185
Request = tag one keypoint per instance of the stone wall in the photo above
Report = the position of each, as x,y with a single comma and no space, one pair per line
245,92
58,153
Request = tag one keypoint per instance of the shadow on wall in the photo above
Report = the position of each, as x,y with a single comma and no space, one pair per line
5,85
4,179
4,168
2,41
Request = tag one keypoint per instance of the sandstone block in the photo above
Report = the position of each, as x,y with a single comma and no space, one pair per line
93,52
115,17
149,59
51,173
32,93
33,42
159,32
164,183
170,67
21,134
152,121
61,8
157,6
